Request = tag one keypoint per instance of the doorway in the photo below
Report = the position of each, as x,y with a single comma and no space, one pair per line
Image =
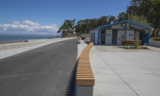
103,37
120,36
108,37
142,37
114,36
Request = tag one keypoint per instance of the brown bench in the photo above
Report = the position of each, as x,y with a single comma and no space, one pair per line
85,75
129,42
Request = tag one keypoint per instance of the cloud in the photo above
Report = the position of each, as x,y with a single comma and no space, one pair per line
30,23
28,27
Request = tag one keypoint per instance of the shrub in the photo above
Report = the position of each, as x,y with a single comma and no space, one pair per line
132,47
126,47
136,42
144,47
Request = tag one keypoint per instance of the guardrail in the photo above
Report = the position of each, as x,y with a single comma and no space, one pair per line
85,78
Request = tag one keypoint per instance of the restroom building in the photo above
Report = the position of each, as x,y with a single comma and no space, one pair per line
124,30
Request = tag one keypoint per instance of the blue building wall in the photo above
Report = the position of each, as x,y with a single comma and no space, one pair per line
146,38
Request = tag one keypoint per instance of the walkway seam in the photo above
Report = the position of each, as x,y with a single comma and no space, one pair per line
117,74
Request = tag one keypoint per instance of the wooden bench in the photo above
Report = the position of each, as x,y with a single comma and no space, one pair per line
85,75
129,42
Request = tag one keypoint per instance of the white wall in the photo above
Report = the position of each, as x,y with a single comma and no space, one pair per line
129,34
120,36
116,26
108,39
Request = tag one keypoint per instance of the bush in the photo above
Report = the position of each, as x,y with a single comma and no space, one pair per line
144,47
132,47
126,47
136,42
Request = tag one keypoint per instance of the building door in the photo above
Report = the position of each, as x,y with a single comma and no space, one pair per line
103,37
114,36
121,35
108,39
142,37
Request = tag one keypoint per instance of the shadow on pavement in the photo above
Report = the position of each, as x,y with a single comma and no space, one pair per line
87,42
72,82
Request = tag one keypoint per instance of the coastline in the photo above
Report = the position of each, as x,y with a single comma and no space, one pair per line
7,39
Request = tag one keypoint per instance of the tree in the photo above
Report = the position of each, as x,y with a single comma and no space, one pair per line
139,19
142,11
122,16
147,8
67,27
136,43
111,18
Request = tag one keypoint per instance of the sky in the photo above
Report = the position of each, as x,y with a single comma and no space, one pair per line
46,16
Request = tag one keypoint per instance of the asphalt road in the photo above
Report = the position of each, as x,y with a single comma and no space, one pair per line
43,71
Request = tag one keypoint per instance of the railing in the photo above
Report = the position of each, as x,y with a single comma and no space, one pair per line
85,78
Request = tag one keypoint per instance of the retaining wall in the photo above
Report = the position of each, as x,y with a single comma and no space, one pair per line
27,44
154,43
20,45
84,78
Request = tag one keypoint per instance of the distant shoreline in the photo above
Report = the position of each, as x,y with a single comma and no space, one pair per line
18,39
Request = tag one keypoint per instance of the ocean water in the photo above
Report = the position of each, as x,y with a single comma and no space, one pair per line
12,38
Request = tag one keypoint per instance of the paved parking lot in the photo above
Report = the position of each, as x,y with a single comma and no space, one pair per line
125,72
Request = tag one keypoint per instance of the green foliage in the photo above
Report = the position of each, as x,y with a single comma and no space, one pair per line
150,9
142,11
132,47
144,47
122,16
83,26
155,39
126,47
138,19
68,25
136,42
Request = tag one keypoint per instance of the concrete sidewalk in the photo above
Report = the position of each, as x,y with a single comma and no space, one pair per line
122,72
81,47
10,52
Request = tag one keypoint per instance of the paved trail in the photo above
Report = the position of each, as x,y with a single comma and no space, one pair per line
44,71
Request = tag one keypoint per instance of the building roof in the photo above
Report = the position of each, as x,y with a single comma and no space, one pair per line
125,21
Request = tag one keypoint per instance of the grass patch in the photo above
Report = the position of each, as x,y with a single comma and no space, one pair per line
132,47
126,47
